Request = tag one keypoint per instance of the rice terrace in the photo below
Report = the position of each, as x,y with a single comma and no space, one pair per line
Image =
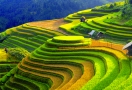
69,54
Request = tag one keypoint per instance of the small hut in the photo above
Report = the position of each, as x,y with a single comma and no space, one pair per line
128,46
82,19
91,33
100,35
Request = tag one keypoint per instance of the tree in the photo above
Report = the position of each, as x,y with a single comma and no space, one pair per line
128,1
17,53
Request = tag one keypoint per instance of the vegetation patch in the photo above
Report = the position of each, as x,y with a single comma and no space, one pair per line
3,55
61,63
68,38
17,53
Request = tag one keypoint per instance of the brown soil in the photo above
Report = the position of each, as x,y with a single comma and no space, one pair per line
110,45
49,24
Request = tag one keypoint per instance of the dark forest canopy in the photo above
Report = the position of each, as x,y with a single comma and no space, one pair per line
16,12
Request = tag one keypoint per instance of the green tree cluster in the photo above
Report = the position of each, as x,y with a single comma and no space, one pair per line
128,1
17,53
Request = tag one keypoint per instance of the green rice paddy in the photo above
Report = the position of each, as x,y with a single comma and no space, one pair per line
66,62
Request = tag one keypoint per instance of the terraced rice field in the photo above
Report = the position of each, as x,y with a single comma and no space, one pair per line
111,31
63,58
5,66
67,63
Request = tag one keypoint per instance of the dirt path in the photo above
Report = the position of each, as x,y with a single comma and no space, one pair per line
110,45
49,24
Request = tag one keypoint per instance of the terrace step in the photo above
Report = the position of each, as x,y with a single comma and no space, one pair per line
15,32
126,84
5,68
34,32
112,26
61,71
122,76
35,85
119,35
22,34
7,86
76,71
87,13
41,39
115,28
48,31
111,62
26,41
8,44
57,81
21,44
13,83
99,75
2,45
27,84
68,41
112,31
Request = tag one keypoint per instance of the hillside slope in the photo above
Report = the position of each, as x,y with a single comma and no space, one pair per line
17,12
64,56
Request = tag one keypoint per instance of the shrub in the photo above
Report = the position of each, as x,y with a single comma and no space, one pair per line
17,53
81,29
3,36
126,12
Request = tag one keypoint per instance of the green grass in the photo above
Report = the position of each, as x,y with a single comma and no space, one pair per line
26,41
36,77
12,82
54,44
27,37
117,31
105,60
115,27
100,71
31,83
126,83
68,39
39,39
45,67
112,66
3,55
5,68
122,76
22,44
50,70
42,30
110,59
8,44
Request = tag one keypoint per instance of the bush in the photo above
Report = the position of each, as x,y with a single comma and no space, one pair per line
17,53
81,29
3,36
126,12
